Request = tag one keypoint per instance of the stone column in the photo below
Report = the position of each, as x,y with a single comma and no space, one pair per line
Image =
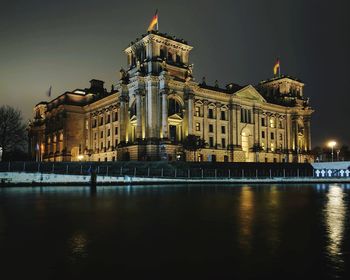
205,120
307,133
218,127
238,121
138,94
123,111
256,112
230,125
164,94
190,112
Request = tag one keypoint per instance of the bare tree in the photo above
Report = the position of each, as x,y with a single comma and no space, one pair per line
12,129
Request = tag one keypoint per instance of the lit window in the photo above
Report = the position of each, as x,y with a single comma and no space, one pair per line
198,126
272,122
272,147
198,111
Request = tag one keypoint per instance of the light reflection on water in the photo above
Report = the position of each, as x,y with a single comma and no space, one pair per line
268,225
335,216
78,246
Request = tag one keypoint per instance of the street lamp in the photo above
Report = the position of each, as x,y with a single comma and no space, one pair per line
332,144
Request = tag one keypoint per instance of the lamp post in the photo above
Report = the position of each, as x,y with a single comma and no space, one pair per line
332,144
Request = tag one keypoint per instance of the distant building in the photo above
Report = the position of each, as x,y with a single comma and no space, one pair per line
157,103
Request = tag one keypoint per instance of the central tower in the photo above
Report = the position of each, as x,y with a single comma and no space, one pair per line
154,96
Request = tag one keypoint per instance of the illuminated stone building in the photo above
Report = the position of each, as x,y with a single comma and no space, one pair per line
156,104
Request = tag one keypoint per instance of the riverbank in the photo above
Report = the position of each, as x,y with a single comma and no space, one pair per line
8,179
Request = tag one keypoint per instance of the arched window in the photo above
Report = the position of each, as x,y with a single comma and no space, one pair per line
133,111
174,107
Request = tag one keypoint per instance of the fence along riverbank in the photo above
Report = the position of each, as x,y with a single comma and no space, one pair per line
165,169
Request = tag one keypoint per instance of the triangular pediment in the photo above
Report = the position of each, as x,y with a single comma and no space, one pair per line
175,117
250,93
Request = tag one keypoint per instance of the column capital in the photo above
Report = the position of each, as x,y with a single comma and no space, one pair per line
123,98
165,91
139,91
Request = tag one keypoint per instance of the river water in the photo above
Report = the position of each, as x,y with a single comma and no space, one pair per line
176,232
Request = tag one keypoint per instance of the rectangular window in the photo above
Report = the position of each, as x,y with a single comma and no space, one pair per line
115,116
116,130
108,118
272,123
280,124
95,135
101,121
101,145
101,134
263,134
108,132
272,136
223,115
223,129
210,113
281,137
211,128
263,123
198,111
198,126
223,143
116,142
211,142
109,144
94,123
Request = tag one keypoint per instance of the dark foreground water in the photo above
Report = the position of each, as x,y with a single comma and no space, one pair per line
168,232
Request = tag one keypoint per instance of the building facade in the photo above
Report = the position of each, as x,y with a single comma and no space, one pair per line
156,104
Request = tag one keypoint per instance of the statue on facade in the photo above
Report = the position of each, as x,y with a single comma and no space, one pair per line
164,67
124,76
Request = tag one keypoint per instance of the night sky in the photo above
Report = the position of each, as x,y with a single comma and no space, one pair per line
67,43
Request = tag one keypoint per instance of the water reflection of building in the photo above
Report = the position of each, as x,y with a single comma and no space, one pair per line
156,104
246,219
335,217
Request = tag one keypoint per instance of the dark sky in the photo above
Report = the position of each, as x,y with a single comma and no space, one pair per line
67,43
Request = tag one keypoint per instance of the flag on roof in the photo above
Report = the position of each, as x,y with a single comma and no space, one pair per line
277,67
154,22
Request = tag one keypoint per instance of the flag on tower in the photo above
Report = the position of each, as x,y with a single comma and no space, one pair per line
277,68
154,22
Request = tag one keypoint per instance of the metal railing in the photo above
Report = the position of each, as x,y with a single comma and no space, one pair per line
193,171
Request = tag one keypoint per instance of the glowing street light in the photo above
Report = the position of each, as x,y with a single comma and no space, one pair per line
332,144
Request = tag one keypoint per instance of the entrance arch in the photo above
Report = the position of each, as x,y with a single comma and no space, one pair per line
246,143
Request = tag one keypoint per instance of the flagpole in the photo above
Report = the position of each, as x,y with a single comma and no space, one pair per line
157,20
279,68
